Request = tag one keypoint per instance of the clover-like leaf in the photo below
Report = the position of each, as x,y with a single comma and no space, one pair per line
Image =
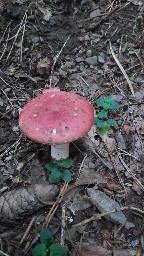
100,102
55,176
39,250
103,130
65,163
111,122
57,250
100,123
50,166
102,114
106,106
46,237
66,175
108,99
114,105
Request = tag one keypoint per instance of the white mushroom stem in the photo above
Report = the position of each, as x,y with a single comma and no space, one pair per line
60,151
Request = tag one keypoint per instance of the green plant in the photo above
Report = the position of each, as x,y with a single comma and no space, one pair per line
59,170
95,52
47,247
101,119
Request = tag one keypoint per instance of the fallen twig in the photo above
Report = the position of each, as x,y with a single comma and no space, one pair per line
129,171
99,216
27,230
122,70
56,204
55,61
63,224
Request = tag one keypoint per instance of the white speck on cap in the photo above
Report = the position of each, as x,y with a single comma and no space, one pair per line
75,114
35,114
54,131
52,95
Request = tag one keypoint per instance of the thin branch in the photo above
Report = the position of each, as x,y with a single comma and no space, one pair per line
55,61
130,173
99,216
122,69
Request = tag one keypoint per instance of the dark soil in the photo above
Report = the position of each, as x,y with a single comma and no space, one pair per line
20,52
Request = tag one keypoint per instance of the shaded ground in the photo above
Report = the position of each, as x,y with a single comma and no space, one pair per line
76,31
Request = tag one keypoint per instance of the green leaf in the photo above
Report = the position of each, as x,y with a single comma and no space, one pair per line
95,52
66,163
103,130
100,102
102,114
106,106
55,176
111,122
39,250
114,105
46,237
100,123
50,166
108,99
66,175
57,250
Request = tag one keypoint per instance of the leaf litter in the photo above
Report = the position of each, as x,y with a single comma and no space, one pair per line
43,32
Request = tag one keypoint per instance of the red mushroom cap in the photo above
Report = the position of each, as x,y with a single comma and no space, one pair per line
56,117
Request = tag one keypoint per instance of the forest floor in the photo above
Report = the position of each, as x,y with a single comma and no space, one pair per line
95,49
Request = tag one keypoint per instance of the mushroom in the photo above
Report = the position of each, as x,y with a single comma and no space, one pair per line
56,118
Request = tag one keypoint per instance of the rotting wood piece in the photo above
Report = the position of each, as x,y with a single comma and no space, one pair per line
17,202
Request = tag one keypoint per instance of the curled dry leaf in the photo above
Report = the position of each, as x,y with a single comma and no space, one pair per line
43,66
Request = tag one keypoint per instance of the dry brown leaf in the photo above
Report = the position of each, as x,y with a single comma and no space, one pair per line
43,66
127,128
110,142
89,250
110,183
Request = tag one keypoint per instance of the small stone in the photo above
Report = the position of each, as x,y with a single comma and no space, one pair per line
81,38
138,96
35,40
92,60
117,97
101,59
95,13
79,59
52,22
89,53
86,38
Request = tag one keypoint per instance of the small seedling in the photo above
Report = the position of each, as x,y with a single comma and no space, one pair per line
95,52
59,170
101,119
47,247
